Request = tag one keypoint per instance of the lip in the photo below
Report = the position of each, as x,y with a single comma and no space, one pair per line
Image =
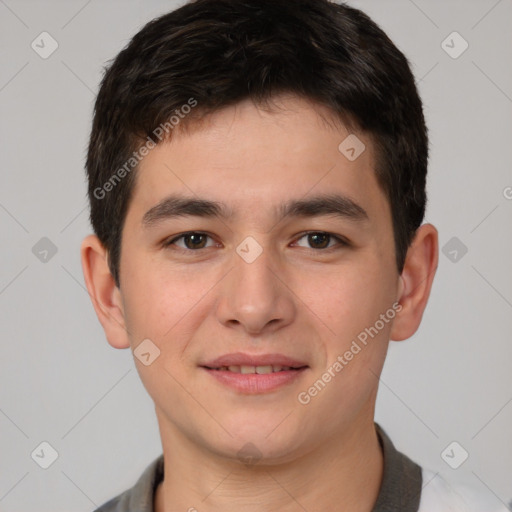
241,359
254,383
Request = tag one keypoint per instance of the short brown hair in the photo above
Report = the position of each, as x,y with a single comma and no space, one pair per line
220,52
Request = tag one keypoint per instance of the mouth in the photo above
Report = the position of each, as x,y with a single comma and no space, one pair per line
255,374
238,361
260,370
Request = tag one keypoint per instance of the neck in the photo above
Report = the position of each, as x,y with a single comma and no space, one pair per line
346,469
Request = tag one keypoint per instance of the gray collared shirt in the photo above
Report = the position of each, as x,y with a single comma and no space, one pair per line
400,489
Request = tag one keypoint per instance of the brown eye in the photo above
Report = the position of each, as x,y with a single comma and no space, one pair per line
320,240
191,241
195,241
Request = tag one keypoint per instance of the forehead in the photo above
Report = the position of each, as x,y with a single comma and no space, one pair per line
254,160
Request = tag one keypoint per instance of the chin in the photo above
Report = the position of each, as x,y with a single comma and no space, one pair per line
263,441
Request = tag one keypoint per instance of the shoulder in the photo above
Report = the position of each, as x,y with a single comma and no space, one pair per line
120,503
140,497
438,495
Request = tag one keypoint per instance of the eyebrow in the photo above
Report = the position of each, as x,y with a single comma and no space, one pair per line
322,205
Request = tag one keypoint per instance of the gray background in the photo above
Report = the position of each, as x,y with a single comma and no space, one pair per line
60,380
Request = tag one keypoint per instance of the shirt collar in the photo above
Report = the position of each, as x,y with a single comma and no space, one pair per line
401,480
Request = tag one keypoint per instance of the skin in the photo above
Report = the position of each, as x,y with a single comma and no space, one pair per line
295,299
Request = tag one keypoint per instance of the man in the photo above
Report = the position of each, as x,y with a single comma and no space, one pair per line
257,181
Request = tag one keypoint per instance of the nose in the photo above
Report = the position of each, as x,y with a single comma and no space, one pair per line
254,297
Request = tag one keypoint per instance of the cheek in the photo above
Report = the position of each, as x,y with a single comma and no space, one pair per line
162,302
348,299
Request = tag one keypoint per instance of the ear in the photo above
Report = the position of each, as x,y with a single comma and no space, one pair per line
105,295
416,282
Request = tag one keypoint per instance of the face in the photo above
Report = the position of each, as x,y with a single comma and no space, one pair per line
254,243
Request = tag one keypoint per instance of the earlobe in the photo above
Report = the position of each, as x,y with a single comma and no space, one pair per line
104,294
416,282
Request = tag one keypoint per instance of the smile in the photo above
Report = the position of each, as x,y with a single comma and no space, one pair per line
260,370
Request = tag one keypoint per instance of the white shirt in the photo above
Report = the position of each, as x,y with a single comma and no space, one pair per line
440,496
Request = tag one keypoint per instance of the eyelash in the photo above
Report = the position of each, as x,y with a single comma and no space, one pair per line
341,242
